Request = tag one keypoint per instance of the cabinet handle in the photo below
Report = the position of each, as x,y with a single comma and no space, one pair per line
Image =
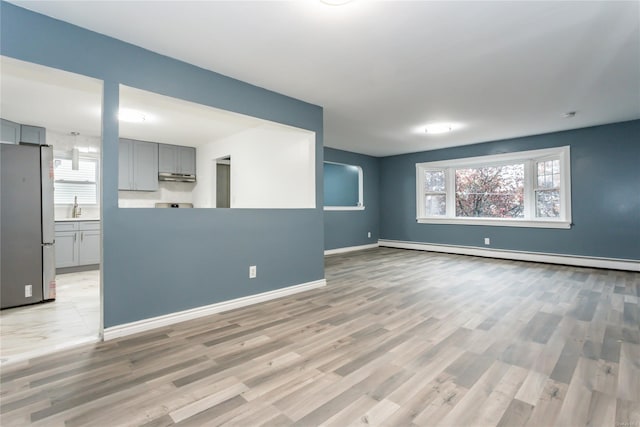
75,237
82,236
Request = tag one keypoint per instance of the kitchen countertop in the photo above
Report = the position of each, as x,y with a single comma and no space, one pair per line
76,219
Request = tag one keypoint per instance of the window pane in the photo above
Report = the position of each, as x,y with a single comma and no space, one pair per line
548,174
70,183
435,204
64,193
85,172
434,181
548,203
490,192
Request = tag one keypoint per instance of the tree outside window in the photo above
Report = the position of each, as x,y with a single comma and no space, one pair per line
492,192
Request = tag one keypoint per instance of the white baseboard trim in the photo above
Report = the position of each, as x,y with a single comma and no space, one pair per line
194,313
349,249
580,261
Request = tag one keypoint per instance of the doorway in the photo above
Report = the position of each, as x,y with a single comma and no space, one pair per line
223,183
66,108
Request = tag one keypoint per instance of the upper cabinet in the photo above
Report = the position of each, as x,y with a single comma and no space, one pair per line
10,132
14,133
137,165
176,159
33,135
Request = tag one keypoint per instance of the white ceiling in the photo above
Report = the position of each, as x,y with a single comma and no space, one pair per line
41,96
384,69
66,102
173,121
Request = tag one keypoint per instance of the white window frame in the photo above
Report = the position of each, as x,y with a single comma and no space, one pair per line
83,156
360,205
529,159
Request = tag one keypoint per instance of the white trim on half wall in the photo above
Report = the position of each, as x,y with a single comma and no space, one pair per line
194,313
576,260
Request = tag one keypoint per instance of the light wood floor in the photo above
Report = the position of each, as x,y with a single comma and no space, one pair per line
73,318
396,338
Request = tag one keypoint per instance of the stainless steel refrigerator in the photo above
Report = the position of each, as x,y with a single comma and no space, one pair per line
27,256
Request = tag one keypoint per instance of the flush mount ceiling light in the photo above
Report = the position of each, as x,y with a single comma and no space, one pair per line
436,128
132,116
569,114
335,2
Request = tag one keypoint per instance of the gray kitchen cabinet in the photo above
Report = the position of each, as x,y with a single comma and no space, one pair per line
137,165
89,243
187,160
10,132
33,135
77,243
176,159
167,158
66,249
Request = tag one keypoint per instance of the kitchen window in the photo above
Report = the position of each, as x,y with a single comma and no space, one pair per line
81,183
521,189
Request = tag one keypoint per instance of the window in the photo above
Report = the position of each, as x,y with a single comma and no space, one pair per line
435,193
70,183
525,189
490,191
342,187
547,188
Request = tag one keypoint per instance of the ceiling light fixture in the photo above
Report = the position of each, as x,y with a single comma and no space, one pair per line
436,128
335,2
569,114
132,116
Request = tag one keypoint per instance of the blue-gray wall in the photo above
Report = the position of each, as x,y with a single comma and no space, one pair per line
165,260
605,190
341,185
349,228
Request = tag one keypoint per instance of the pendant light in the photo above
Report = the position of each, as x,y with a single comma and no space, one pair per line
75,153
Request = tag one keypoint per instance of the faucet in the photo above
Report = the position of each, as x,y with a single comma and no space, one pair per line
77,211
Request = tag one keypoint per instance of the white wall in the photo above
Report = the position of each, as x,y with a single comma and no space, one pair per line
175,192
272,166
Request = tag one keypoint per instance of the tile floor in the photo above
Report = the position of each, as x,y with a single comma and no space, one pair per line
73,318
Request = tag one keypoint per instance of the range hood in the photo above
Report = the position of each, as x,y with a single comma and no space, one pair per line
176,177
174,205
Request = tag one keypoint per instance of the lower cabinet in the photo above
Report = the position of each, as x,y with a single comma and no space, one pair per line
66,248
89,247
77,243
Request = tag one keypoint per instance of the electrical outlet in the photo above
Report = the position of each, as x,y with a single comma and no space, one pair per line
253,272
28,291
369,234
487,241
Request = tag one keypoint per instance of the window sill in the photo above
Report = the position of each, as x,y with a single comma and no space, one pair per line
497,222
344,208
